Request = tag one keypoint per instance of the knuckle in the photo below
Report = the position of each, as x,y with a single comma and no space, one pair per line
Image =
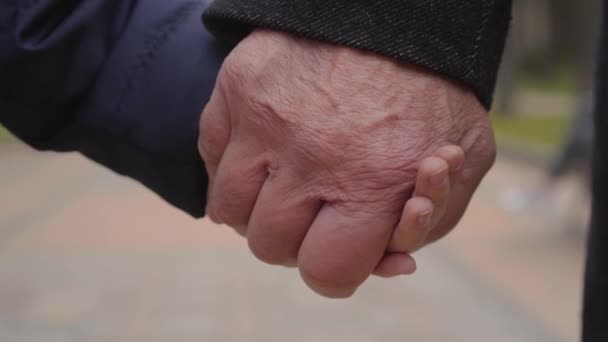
231,68
224,201
207,125
211,141
208,150
227,206
235,73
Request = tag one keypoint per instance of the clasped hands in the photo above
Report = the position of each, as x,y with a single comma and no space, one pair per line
337,161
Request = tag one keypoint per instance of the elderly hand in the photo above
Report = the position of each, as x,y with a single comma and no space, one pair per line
312,151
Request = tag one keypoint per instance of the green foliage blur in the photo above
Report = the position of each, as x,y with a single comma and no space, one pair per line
544,132
4,134
548,66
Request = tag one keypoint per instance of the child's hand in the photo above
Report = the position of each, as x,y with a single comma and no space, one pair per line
423,211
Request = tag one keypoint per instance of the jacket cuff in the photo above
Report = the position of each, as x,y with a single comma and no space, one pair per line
461,39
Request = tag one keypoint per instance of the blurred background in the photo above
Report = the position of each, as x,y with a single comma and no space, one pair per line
86,255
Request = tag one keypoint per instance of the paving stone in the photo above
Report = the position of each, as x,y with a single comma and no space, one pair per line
89,256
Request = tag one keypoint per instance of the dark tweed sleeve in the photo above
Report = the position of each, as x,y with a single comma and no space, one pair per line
462,39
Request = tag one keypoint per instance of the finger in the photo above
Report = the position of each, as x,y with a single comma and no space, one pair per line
433,182
414,226
395,264
281,217
342,248
454,156
214,134
460,197
462,190
431,195
239,178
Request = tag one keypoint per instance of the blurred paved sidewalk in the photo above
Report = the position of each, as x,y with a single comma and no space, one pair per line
88,256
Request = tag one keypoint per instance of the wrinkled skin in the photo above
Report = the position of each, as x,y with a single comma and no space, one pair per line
312,150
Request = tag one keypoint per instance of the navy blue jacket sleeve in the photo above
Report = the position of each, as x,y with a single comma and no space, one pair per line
122,82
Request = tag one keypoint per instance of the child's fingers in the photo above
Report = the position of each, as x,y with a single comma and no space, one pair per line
424,209
411,232
423,212
433,182
395,264
454,156
414,225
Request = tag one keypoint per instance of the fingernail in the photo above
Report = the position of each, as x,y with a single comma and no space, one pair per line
438,178
459,166
425,219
